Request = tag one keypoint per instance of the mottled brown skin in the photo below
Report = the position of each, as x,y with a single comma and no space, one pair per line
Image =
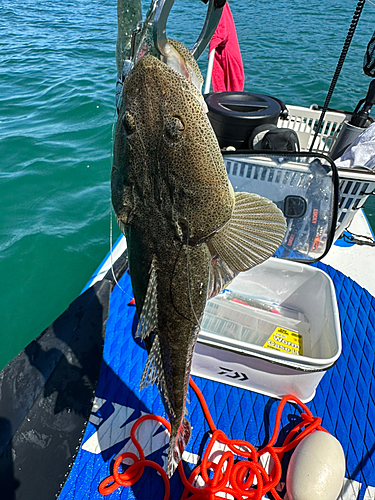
174,167
170,190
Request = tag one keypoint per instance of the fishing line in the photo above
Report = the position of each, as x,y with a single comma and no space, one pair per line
188,280
114,121
111,257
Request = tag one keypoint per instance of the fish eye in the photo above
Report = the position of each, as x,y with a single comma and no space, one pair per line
174,128
128,122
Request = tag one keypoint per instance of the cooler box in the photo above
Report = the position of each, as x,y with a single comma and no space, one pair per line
274,330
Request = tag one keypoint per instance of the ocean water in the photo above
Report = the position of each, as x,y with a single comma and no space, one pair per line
57,79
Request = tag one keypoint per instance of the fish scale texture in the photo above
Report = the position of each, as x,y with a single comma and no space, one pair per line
344,399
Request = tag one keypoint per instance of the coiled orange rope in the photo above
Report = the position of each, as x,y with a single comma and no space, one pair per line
243,478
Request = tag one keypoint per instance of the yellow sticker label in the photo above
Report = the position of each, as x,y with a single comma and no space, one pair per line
286,341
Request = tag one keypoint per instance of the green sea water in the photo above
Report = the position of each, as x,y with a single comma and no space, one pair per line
57,79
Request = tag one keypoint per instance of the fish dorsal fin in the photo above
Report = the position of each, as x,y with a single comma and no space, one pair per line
253,233
148,322
154,373
220,276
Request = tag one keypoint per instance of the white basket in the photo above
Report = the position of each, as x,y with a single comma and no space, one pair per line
304,122
355,188
355,185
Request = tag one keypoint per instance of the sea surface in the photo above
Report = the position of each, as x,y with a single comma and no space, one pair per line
57,82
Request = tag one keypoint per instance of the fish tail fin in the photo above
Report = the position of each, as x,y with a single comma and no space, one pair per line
177,444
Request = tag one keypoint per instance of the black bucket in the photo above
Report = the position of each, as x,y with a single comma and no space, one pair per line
234,115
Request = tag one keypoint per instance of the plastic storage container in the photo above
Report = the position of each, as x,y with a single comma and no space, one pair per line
303,187
275,330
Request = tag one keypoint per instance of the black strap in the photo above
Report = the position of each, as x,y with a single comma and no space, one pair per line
369,59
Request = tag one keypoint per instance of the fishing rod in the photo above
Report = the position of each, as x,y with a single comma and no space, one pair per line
361,115
344,51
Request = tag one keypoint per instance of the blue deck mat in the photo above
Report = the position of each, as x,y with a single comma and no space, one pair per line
344,399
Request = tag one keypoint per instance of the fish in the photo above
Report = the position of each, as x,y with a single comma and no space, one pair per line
188,233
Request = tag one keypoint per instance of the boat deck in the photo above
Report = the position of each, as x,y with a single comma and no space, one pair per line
355,260
345,400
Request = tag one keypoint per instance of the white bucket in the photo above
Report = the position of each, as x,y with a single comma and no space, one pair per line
275,331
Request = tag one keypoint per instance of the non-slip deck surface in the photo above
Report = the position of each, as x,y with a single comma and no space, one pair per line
344,399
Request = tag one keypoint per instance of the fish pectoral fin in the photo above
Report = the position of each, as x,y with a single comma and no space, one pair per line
253,233
148,322
177,445
154,373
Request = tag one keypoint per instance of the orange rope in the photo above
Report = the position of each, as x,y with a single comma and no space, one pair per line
243,479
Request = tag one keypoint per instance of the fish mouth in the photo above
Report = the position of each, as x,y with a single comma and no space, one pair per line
178,58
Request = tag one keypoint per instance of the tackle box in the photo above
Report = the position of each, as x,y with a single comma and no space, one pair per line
274,330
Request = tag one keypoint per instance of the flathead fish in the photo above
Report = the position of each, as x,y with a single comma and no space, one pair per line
187,232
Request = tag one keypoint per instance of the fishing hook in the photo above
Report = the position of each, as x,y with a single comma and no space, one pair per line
163,9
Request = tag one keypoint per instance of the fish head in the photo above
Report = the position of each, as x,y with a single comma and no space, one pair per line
166,156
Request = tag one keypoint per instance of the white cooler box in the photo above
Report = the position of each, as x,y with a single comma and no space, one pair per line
274,330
